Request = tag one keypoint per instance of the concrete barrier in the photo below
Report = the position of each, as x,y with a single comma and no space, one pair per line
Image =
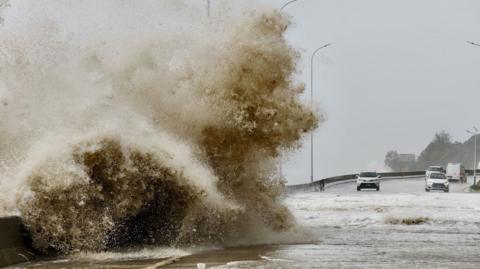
14,242
470,172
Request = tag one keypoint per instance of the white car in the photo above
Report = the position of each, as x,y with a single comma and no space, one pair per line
434,169
368,180
437,181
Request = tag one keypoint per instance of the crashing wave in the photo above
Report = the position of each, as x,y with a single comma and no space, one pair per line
170,139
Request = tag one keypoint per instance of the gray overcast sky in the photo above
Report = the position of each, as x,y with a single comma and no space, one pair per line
398,72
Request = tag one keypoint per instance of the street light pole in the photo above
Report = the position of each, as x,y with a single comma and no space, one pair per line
208,8
311,105
311,98
475,134
280,168
475,162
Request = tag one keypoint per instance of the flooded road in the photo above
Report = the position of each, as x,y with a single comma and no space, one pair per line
350,229
361,230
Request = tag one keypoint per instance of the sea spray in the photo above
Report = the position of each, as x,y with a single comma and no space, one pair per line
162,136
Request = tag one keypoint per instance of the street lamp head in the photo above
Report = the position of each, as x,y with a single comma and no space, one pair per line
288,3
473,132
319,48
473,43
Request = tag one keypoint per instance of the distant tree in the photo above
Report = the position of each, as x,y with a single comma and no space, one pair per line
400,162
466,152
437,152
391,160
440,151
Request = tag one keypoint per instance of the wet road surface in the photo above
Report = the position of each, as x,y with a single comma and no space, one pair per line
348,229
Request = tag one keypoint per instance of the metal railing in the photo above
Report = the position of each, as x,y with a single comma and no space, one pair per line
329,180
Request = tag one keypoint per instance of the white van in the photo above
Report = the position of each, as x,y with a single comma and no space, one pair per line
433,169
456,171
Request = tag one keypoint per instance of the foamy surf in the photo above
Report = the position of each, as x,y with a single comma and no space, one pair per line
161,133
146,253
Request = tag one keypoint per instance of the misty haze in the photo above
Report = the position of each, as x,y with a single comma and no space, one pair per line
239,134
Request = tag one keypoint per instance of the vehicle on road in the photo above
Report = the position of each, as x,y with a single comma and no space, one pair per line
368,180
437,181
456,172
434,169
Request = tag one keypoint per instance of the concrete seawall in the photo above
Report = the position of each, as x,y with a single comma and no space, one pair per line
14,245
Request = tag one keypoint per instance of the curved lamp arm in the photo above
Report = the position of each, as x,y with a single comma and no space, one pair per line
288,3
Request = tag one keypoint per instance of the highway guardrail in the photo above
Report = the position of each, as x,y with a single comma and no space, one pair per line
329,180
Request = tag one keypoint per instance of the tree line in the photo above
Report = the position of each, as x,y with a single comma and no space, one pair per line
440,151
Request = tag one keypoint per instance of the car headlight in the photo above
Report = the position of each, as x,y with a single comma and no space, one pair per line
446,183
429,183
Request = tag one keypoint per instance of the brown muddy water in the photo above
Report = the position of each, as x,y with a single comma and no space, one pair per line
145,124
350,229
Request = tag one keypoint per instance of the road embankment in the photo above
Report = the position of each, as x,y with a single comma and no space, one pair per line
14,244
474,188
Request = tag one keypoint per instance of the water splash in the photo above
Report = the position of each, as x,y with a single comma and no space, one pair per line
146,135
